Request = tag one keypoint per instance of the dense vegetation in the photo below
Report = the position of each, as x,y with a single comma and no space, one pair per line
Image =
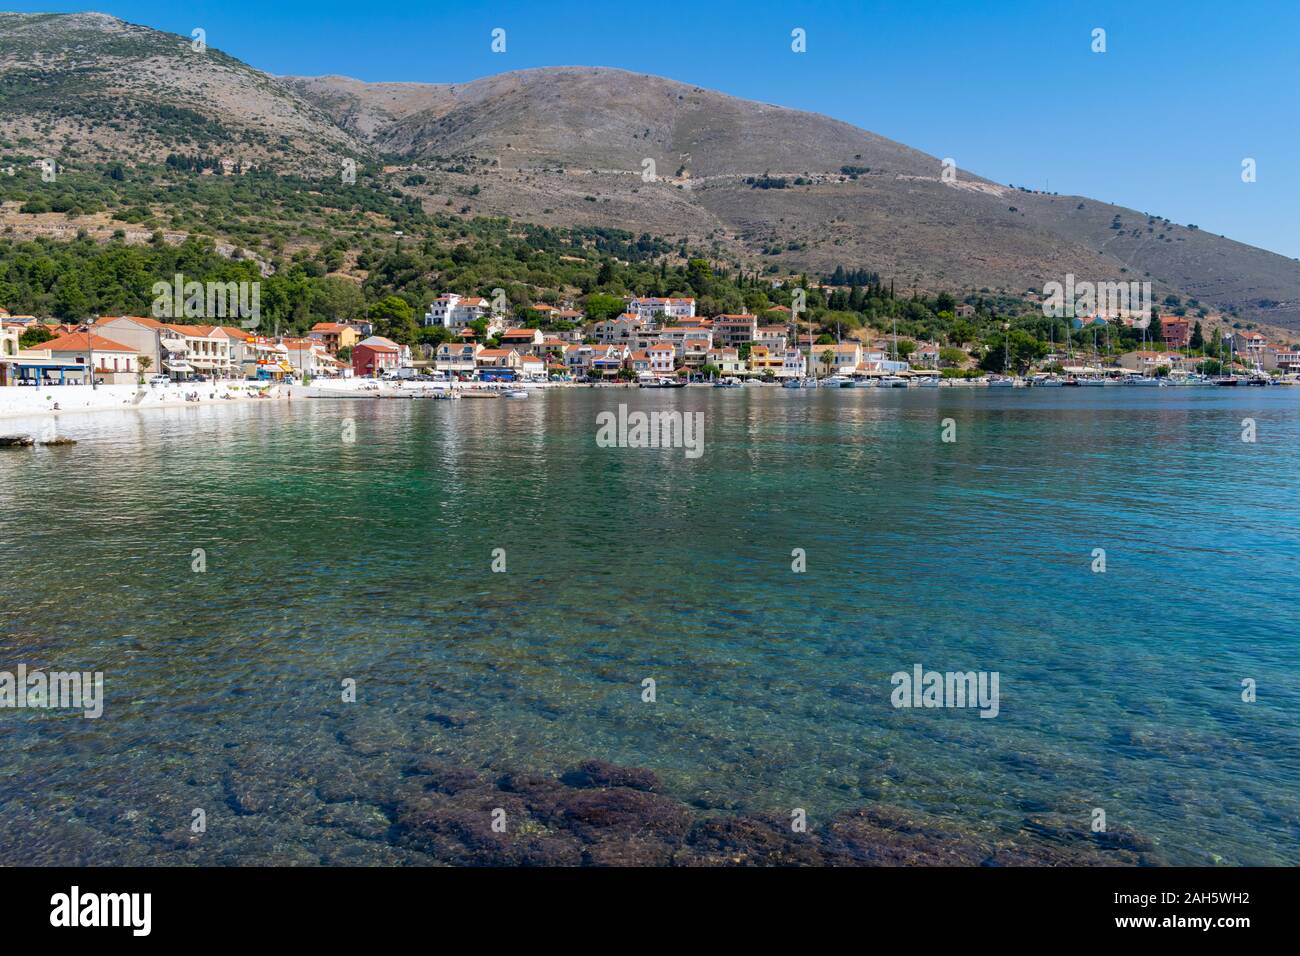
325,250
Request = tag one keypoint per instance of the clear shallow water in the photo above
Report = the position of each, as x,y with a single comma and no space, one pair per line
371,561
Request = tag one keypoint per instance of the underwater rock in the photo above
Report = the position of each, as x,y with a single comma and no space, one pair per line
245,795
459,830
888,836
749,841
600,814
59,441
17,441
597,773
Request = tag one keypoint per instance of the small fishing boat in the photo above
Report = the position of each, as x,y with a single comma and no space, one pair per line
1000,381
929,381
893,381
727,383
515,393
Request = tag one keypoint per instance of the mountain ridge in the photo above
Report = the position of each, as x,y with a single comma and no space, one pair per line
749,182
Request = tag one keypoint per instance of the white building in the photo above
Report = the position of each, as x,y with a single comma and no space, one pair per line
452,311
647,307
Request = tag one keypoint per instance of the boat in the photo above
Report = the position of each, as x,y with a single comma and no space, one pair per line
1046,381
999,381
893,381
928,381
1090,382
661,383
727,383
515,393
788,383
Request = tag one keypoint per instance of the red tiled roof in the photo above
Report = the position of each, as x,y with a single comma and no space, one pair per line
77,341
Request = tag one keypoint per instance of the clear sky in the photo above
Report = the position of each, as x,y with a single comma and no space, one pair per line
1010,89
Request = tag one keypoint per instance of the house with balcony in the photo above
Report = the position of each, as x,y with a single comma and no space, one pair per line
457,358
1175,331
452,311
733,331
524,341
334,336
726,360
495,362
649,308
775,337
619,331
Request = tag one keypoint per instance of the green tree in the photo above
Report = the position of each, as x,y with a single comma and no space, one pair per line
394,319
35,334
600,306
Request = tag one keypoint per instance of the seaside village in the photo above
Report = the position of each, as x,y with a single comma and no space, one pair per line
655,341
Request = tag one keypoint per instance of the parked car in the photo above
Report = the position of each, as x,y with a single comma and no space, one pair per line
159,379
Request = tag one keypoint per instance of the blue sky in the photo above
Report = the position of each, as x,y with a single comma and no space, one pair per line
1010,89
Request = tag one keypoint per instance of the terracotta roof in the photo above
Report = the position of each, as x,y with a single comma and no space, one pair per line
76,342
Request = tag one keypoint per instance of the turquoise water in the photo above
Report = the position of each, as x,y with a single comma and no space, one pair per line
371,560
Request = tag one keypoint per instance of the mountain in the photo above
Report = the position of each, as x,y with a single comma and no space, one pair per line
89,87
568,145
749,182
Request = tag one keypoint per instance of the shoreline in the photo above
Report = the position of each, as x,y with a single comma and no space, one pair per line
51,401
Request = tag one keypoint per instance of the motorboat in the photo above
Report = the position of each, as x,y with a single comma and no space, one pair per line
661,383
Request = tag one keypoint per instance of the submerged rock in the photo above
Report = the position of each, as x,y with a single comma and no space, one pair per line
59,441
17,441
600,814
597,773
750,841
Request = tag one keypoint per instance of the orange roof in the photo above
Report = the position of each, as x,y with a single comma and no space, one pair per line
76,342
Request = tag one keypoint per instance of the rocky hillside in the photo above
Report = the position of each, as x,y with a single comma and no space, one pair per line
754,183
570,145
89,87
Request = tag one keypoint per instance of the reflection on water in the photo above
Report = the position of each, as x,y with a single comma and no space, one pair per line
372,561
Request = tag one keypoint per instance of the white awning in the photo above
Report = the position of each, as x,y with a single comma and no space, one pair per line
178,366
